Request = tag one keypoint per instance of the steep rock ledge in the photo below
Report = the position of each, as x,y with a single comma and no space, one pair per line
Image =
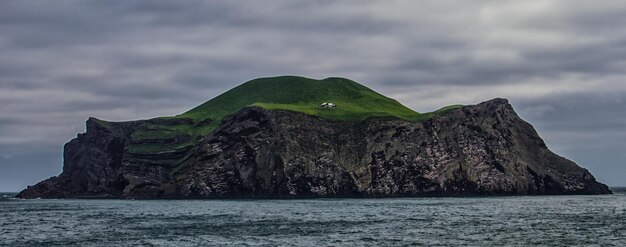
484,149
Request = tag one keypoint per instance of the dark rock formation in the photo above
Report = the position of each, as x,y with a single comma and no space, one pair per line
485,149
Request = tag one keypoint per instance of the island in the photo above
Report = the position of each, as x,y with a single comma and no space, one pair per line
295,137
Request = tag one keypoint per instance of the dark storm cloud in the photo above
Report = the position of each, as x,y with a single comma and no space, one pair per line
559,62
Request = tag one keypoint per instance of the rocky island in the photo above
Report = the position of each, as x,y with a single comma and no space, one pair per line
270,138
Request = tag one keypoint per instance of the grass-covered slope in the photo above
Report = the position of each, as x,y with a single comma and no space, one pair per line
354,101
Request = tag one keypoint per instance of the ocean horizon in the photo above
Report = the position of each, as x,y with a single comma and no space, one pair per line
563,220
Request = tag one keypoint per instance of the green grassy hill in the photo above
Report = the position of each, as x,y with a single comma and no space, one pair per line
354,102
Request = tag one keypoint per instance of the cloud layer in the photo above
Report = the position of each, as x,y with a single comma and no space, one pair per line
561,63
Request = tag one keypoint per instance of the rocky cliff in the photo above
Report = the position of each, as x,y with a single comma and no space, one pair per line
483,149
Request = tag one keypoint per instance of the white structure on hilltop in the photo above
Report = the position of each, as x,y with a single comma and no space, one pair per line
328,105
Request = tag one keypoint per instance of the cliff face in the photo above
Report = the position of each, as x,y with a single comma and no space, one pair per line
485,149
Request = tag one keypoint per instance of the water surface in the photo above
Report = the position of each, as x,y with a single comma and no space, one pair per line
523,220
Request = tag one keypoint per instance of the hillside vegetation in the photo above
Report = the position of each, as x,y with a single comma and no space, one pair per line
354,102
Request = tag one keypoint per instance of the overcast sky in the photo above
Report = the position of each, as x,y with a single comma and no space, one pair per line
562,64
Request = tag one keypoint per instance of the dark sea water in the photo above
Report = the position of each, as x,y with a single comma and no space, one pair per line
524,220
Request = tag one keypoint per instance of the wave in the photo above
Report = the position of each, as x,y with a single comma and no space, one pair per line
7,196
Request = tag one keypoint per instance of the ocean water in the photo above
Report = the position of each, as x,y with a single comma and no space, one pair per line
523,220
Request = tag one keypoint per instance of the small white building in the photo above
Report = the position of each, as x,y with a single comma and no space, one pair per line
328,105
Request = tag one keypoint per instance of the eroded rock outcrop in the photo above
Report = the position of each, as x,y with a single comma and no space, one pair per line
484,149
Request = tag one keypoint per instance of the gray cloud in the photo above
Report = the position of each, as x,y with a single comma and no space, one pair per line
559,62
